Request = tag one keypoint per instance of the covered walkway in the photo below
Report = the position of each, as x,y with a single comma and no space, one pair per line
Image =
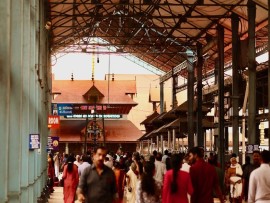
167,36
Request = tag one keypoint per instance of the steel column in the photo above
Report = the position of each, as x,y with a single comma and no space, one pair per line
67,148
235,84
162,144
190,96
220,31
200,133
157,141
169,140
252,73
148,146
173,140
161,97
86,130
151,145
103,126
226,138
174,86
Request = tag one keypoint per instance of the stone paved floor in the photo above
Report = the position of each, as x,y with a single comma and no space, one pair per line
57,196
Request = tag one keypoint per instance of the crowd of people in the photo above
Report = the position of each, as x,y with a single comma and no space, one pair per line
107,177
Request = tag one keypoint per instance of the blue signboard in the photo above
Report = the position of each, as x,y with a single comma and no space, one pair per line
62,109
34,141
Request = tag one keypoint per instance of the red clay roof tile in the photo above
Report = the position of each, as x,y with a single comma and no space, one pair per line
114,93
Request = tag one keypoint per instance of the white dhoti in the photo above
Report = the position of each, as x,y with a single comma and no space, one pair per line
235,188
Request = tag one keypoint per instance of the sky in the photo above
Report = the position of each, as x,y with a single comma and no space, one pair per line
81,66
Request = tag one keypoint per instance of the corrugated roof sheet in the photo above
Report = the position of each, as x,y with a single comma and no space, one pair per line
156,31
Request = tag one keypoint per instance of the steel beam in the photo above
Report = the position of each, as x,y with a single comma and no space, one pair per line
165,4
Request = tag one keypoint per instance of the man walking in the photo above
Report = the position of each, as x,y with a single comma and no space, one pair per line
256,157
84,164
97,182
160,168
259,182
203,177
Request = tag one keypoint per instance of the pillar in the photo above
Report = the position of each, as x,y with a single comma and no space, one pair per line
190,98
21,106
169,140
5,94
220,31
211,139
173,140
183,145
151,145
25,103
157,143
38,104
44,88
43,102
235,84
174,86
67,149
161,97
226,140
162,144
252,73
205,141
200,135
33,100
148,146
15,107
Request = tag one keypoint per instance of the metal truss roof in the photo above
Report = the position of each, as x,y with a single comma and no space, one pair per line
158,32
